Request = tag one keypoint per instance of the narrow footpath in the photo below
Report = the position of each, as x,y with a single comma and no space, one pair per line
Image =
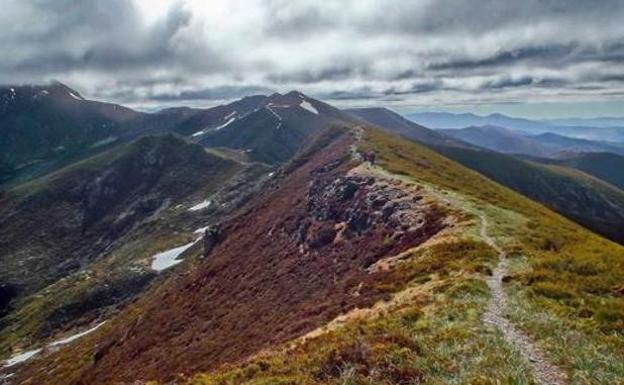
544,372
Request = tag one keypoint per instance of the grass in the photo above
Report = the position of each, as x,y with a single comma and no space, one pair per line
441,341
569,284
565,289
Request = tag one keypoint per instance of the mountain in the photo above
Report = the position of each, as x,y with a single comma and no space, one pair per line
383,117
565,144
331,252
587,200
349,267
276,128
450,121
43,128
606,166
501,140
78,242
582,198
588,122
543,145
445,120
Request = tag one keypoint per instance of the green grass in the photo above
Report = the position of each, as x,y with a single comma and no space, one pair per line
440,342
569,276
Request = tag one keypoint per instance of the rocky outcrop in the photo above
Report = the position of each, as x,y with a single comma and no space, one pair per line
212,236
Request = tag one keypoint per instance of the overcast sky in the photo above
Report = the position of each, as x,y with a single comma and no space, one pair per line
540,57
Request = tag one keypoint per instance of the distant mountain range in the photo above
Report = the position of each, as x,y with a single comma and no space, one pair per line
547,145
607,130
589,201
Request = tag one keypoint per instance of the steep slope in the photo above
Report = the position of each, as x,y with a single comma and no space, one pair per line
45,127
105,196
390,120
437,338
77,242
587,200
283,268
605,166
194,121
276,128
305,244
582,198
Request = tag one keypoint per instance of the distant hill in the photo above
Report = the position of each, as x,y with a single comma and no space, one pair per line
586,200
543,145
384,117
500,139
45,127
606,166
447,120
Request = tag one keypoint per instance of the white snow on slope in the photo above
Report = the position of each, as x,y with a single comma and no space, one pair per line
167,259
308,106
225,124
200,205
73,95
274,113
25,356
198,133
201,230
18,359
231,115
76,336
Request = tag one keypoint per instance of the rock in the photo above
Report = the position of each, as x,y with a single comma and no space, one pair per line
212,237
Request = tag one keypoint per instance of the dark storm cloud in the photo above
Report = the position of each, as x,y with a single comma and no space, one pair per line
342,50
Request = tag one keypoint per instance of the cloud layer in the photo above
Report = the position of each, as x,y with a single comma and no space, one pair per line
396,51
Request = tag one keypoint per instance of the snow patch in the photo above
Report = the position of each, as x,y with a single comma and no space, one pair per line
198,133
169,258
73,95
308,106
104,141
76,336
225,124
233,114
274,113
23,357
200,205
201,230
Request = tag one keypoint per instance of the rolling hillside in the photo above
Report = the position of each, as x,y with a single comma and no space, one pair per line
608,167
78,242
383,117
546,145
582,198
283,298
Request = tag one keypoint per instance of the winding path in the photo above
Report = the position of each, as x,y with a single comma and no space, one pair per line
544,372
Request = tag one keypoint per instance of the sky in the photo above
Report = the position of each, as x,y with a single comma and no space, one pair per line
534,58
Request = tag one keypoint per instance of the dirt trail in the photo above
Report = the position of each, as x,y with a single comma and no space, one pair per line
544,372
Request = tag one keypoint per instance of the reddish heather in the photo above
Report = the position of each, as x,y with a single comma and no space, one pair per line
292,261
